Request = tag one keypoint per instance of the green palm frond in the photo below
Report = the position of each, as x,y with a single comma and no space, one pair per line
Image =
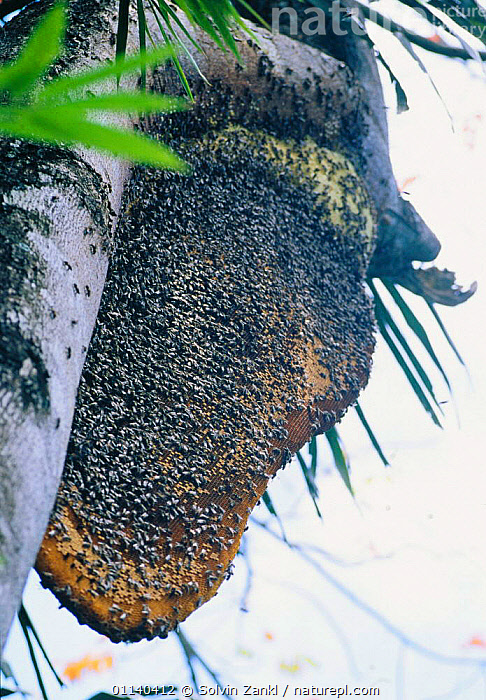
218,18
122,29
57,113
400,94
340,459
142,33
417,328
41,49
371,434
191,655
440,323
269,505
420,381
413,369
439,13
30,635
170,36
267,500
309,477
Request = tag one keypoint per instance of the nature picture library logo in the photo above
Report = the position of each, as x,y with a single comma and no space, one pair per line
339,20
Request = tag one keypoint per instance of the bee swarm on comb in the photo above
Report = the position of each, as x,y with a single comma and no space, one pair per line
234,326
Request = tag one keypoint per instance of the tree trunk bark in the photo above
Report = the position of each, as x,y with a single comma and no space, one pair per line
58,211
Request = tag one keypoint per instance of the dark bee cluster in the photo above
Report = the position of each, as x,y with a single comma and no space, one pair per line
233,326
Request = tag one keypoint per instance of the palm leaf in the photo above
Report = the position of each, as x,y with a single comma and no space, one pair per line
175,58
401,95
340,459
266,498
170,17
435,314
404,356
371,435
25,620
313,454
54,115
26,632
122,30
51,127
251,11
407,45
269,504
142,32
388,320
216,17
412,380
42,48
416,327
391,23
310,482
135,102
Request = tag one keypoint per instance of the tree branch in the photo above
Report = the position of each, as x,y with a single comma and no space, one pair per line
57,213
417,39
407,641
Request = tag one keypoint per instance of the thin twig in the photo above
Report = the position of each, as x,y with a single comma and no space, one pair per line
378,617
190,654
249,575
424,43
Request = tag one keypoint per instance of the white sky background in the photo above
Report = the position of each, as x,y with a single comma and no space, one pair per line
412,546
